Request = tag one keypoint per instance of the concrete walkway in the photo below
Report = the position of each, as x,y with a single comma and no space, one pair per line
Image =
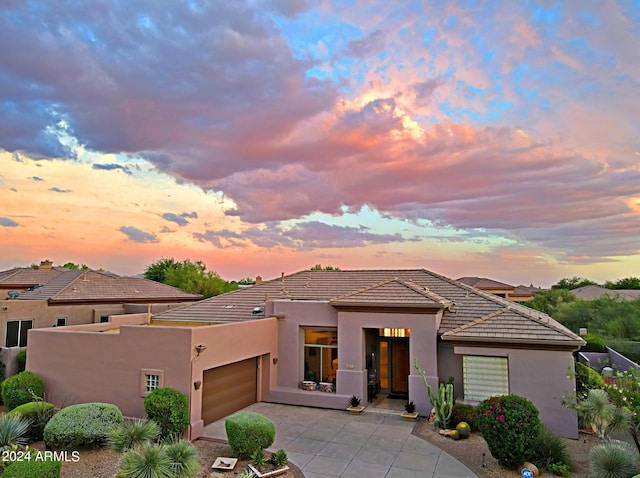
332,443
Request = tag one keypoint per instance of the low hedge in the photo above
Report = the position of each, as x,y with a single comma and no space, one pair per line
39,413
21,388
22,360
31,469
248,432
86,425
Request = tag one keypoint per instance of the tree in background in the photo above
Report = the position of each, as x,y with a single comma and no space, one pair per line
573,283
76,267
626,283
192,277
550,301
319,267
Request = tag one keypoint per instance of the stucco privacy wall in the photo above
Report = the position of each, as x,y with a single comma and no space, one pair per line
229,343
81,366
541,376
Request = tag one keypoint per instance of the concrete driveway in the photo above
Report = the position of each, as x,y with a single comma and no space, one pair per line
331,443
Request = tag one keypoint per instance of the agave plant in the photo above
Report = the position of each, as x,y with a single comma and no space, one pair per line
14,430
132,433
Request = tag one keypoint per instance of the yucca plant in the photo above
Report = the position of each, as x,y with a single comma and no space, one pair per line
184,459
613,459
14,430
146,461
596,411
132,433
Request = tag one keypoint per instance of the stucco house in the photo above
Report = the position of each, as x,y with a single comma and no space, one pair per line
346,331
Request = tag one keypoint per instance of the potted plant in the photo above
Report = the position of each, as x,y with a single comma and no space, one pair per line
263,467
409,411
354,407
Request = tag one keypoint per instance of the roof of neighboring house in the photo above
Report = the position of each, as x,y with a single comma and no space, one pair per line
591,292
65,285
462,304
484,283
23,277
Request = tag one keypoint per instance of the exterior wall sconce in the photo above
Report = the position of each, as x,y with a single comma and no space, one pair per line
197,385
199,349
275,360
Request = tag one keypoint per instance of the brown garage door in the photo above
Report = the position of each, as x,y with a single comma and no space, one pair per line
228,389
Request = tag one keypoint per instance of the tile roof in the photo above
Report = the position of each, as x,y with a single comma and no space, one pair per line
484,283
466,303
392,292
92,286
591,292
26,276
510,325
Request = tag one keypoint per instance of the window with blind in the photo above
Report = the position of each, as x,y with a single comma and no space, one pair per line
485,377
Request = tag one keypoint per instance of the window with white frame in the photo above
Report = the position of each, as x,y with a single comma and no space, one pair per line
152,382
150,379
484,377
17,332
320,354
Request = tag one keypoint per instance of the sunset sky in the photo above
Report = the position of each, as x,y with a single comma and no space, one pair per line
485,138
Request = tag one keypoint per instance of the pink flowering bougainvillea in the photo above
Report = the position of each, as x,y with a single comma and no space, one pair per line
509,424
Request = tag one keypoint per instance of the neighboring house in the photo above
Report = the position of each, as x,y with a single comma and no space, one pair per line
592,292
353,329
520,293
54,296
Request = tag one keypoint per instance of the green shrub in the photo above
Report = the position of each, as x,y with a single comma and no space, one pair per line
594,344
86,425
587,379
248,432
169,409
613,459
39,413
132,433
464,413
14,430
560,470
509,424
22,360
31,469
21,388
549,449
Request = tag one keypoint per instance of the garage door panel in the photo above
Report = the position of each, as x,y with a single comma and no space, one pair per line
228,389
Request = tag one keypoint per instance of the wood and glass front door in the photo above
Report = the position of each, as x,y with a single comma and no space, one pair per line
393,361
399,366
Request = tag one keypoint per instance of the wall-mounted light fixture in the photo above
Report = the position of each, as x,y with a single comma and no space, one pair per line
197,385
275,360
200,348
